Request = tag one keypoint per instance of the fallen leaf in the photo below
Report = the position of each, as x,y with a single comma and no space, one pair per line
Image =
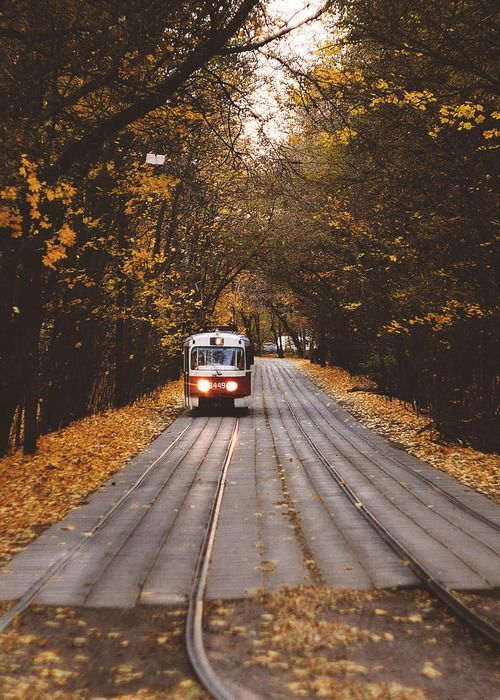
430,671
79,641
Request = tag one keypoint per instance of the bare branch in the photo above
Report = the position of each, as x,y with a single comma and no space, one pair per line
252,46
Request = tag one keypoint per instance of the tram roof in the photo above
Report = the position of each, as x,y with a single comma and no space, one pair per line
230,338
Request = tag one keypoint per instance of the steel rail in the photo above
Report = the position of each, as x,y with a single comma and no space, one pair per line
59,563
453,602
194,621
439,489
384,470
167,532
314,487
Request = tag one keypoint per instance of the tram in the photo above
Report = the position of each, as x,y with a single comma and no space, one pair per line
218,368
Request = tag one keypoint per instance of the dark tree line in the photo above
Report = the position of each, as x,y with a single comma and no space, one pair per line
106,262
370,232
387,220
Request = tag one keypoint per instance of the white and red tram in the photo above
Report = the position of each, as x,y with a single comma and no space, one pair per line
218,368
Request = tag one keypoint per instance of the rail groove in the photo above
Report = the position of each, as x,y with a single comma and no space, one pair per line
453,602
198,657
25,600
438,489
383,470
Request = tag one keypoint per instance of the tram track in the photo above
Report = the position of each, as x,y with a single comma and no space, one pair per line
194,623
122,543
30,594
321,503
302,400
195,645
292,512
421,477
429,581
291,414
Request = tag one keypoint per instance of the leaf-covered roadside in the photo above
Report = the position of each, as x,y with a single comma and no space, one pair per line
69,653
38,490
399,422
322,642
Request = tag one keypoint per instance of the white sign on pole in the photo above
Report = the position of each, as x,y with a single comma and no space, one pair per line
155,158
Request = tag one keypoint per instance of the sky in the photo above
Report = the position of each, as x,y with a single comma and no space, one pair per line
303,39
301,43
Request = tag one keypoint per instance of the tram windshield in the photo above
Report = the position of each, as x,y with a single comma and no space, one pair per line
217,358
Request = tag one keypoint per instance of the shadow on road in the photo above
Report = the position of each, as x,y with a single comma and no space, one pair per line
220,409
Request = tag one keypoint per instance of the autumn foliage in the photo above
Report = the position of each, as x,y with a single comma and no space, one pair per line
367,234
107,262
385,232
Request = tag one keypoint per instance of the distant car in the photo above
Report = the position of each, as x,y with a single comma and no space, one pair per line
269,347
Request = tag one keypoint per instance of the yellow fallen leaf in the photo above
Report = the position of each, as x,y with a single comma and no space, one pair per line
269,568
430,671
347,666
379,611
61,676
300,672
79,641
46,656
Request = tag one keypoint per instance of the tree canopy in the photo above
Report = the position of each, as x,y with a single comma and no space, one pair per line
367,231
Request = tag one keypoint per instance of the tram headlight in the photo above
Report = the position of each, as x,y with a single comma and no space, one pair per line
232,386
203,385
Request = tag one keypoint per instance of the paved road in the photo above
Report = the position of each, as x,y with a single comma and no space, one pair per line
283,519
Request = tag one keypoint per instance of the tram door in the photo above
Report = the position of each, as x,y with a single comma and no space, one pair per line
186,375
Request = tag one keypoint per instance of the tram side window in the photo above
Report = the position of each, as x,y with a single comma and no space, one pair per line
195,358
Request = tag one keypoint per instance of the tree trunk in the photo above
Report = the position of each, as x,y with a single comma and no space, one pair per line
322,348
11,379
119,393
32,310
291,332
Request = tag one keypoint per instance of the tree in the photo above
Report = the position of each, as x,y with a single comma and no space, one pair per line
76,92
390,188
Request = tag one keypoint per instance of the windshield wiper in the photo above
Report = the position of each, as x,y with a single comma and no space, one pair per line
219,373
